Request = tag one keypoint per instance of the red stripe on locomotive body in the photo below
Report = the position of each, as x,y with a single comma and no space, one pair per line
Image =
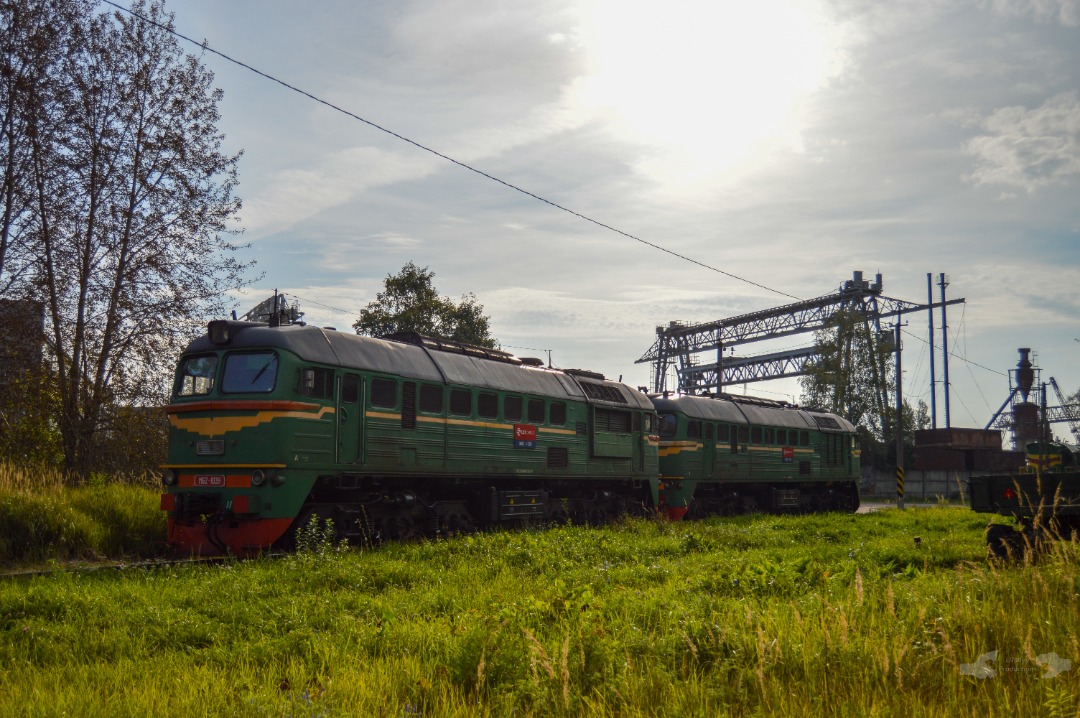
248,538
220,405
676,513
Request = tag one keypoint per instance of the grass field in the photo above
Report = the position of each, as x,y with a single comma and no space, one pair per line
44,517
816,615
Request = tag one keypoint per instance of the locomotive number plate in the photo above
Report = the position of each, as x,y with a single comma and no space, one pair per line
215,447
209,480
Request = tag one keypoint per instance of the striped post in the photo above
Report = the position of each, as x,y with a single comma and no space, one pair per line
899,487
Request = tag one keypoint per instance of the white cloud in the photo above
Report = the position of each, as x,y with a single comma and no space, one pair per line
1066,12
1029,149
294,194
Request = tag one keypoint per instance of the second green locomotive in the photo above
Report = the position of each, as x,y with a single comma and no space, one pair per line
730,455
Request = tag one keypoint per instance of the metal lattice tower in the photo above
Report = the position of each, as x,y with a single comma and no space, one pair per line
682,345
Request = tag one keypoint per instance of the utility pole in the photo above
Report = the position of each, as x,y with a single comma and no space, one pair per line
945,349
899,424
933,376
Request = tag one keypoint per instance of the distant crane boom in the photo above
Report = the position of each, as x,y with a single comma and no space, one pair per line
1072,412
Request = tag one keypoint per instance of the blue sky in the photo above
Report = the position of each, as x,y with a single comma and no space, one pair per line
788,142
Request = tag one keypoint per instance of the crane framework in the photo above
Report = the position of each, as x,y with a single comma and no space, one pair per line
696,350
1071,412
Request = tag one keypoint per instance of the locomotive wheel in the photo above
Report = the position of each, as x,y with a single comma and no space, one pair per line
598,515
730,505
458,521
560,514
402,527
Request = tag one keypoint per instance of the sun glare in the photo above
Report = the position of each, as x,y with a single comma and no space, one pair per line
705,81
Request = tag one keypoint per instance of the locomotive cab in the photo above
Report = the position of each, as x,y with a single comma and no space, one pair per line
228,490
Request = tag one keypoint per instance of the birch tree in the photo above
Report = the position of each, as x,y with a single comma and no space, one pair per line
133,203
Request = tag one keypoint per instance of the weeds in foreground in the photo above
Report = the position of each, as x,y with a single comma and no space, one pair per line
318,538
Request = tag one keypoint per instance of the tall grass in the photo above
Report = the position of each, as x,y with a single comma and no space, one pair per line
45,515
18,479
819,615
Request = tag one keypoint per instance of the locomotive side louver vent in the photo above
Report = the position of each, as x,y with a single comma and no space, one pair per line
558,457
614,421
827,422
408,405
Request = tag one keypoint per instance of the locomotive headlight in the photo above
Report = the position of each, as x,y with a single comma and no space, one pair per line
168,477
258,477
219,332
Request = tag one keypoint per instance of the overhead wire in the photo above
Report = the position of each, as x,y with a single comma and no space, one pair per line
954,355
206,48
320,304
963,332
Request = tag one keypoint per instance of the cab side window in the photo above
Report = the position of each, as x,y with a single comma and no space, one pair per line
350,389
316,382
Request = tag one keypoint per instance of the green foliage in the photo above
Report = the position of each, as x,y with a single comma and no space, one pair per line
29,403
132,441
130,520
410,303
854,376
850,373
35,528
318,538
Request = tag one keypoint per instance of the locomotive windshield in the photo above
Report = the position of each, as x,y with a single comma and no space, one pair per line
247,373
668,424
197,376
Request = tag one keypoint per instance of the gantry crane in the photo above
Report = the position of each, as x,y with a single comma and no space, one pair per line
1071,411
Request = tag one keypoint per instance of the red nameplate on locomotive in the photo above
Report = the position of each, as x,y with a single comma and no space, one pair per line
524,436
215,480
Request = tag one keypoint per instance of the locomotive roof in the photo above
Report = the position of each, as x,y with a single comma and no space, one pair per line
325,346
766,414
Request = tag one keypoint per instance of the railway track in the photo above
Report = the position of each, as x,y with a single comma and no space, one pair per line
88,567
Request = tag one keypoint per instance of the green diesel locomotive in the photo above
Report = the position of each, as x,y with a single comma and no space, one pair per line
391,438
